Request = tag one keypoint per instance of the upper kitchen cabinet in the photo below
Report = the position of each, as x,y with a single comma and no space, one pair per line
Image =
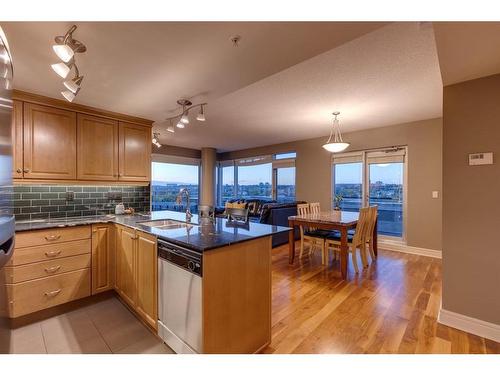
49,143
134,152
17,139
97,148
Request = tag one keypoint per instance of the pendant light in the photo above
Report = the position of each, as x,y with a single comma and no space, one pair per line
337,144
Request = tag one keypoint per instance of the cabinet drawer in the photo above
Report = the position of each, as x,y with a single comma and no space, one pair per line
51,236
48,268
49,252
31,296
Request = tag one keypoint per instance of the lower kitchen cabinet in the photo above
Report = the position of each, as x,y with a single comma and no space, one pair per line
136,272
146,281
103,256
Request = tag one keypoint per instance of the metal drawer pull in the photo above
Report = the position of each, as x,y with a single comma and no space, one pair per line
52,269
52,254
52,237
53,293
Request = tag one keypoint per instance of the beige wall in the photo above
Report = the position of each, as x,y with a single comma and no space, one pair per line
424,141
177,151
471,219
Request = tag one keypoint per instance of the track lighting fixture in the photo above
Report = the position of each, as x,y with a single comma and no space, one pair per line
65,48
183,117
156,141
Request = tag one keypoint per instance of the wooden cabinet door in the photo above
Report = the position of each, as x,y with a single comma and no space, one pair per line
147,270
103,249
125,264
17,139
97,157
49,143
135,152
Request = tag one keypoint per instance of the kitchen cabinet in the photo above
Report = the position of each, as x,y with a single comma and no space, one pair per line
17,139
136,272
103,256
134,152
49,143
125,264
97,155
147,263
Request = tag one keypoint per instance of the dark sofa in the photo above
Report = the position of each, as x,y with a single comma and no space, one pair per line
277,214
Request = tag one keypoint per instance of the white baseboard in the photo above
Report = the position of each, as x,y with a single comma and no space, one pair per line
401,247
472,325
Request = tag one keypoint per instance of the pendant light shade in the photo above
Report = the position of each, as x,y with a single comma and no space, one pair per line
61,69
335,142
63,51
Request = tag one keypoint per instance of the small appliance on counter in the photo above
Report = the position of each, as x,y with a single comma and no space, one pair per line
119,209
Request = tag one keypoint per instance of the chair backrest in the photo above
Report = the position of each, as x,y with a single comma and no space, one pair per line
363,223
303,209
315,208
237,214
206,211
371,223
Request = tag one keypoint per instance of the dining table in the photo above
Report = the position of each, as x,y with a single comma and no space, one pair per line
339,220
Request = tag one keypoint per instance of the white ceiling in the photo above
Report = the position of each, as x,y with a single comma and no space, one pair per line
467,50
279,85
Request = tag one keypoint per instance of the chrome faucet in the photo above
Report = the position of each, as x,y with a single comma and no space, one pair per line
185,192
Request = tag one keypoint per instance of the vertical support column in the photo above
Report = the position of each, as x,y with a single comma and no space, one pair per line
208,170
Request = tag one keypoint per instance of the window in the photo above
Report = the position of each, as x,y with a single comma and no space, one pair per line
228,190
373,178
261,177
168,178
255,178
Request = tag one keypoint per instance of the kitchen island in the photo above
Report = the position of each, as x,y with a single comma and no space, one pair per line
218,303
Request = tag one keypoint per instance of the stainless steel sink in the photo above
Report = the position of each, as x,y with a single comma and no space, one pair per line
165,224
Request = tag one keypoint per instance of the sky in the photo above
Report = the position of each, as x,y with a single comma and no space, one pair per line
250,175
351,173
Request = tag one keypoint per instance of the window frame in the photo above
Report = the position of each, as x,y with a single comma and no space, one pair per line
363,156
172,159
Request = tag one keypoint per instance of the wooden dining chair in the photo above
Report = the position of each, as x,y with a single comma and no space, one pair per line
369,231
355,241
315,208
310,235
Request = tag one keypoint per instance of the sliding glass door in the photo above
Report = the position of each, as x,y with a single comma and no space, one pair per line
369,178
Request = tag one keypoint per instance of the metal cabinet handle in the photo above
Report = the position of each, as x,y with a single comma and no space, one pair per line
53,293
52,269
26,170
19,170
52,237
52,254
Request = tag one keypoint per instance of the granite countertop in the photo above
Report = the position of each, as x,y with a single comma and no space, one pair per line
200,235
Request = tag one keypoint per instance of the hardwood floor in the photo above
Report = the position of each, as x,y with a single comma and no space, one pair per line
389,308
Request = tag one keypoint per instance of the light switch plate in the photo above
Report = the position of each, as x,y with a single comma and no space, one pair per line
435,194
482,158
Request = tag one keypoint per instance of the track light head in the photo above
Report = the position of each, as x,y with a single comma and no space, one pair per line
201,114
62,69
66,47
180,125
171,129
63,51
185,119
68,95
74,84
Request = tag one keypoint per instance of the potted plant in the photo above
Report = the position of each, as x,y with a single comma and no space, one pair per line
337,200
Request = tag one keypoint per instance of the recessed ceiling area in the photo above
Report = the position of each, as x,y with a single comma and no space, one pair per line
280,84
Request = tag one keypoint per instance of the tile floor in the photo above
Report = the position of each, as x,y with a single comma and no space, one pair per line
104,327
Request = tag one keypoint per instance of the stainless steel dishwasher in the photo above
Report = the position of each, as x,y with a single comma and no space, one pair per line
179,297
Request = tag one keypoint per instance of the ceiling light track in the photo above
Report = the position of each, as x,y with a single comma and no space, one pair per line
65,48
183,117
